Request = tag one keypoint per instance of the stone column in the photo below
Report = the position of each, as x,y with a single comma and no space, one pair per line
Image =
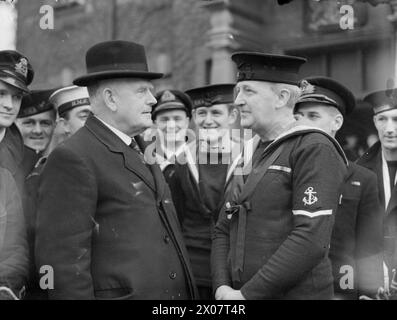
8,25
393,19
235,25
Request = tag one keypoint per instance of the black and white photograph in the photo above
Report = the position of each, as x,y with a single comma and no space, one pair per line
198,154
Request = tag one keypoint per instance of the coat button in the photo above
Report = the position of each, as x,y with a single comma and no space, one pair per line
167,239
173,275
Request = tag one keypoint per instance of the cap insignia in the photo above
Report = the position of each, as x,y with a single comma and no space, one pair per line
306,87
22,67
168,96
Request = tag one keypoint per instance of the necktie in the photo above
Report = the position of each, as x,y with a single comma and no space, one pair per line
133,145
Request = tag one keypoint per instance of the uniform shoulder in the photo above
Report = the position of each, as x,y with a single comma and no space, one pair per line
317,138
361,172
315,141
79,143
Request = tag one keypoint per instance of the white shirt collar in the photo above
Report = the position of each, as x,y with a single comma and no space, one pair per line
2,135
125,138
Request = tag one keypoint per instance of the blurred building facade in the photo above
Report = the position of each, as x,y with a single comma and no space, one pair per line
191,41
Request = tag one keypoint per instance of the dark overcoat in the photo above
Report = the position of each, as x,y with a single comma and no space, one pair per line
14,261
106,223
372,160
12,155
357,239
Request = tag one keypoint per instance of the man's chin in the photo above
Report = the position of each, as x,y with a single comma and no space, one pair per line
36,146
390,146
246,124
146,124
5,123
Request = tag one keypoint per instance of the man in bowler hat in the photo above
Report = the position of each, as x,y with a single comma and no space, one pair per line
106,223
272,238
356,242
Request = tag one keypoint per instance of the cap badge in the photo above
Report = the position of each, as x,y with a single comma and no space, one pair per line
306,87
168,96
22,67
41,105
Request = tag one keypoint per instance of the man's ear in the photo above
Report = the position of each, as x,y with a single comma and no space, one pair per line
374,120
338,122
64,125
109,98
283,98
233,116
194,115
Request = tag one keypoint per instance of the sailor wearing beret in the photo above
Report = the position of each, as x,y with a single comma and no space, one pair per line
381,158
356,243
201,175
73,108
36,120
272,238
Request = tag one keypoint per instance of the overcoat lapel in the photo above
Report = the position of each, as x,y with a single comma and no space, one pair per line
132,162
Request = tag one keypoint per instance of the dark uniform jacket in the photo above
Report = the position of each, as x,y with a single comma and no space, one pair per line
12,151
12,155
106,223
273,242
372,159
32,182
356,243
30,159
14,261
197,219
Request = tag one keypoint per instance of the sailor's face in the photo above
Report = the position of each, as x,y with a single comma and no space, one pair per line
172,124
214,122
386,124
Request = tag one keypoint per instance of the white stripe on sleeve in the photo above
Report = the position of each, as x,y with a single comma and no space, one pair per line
311,214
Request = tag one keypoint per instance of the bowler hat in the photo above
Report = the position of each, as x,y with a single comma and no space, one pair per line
328,92
115,59
15,69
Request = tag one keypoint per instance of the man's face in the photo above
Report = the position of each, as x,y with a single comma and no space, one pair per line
10,102
77,118
37,130
256,101
317,116
172,124
134,100
386,124
214,122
